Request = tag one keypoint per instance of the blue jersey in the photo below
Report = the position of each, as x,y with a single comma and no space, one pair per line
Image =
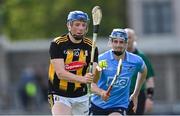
119,95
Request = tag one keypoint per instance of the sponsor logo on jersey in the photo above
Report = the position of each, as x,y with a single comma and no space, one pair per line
73,66
121,82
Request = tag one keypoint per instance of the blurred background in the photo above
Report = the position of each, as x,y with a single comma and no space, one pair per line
28,26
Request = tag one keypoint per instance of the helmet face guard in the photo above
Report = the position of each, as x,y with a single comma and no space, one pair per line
119,34
77,15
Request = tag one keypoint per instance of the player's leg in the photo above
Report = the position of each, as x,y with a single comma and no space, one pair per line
59,105
117,111
95,110
61,109
81,108
80,105
115,114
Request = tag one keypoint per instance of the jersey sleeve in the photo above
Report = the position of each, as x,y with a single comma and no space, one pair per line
55,51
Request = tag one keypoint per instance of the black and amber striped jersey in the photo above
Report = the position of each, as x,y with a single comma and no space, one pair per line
76,60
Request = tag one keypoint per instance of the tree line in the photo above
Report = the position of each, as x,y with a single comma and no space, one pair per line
46,19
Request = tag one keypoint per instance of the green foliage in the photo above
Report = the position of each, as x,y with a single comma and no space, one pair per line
32,19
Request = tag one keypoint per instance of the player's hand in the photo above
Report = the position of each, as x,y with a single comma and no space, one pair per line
148,105
104,95
134,99
88,78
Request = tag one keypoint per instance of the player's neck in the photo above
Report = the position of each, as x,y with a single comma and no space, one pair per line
120,56
73,39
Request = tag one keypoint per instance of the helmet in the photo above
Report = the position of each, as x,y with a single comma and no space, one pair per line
119,33
77,15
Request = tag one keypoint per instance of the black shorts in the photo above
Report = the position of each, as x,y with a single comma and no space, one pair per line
95,110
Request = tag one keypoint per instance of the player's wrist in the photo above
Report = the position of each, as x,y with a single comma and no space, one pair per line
101,93
80,79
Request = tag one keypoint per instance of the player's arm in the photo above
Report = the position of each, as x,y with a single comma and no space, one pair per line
96,71
139,82
96,90
94,87
65,75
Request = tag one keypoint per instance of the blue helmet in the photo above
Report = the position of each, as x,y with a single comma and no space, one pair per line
119,33
77,15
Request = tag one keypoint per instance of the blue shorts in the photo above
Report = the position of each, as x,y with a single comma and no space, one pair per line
95,110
